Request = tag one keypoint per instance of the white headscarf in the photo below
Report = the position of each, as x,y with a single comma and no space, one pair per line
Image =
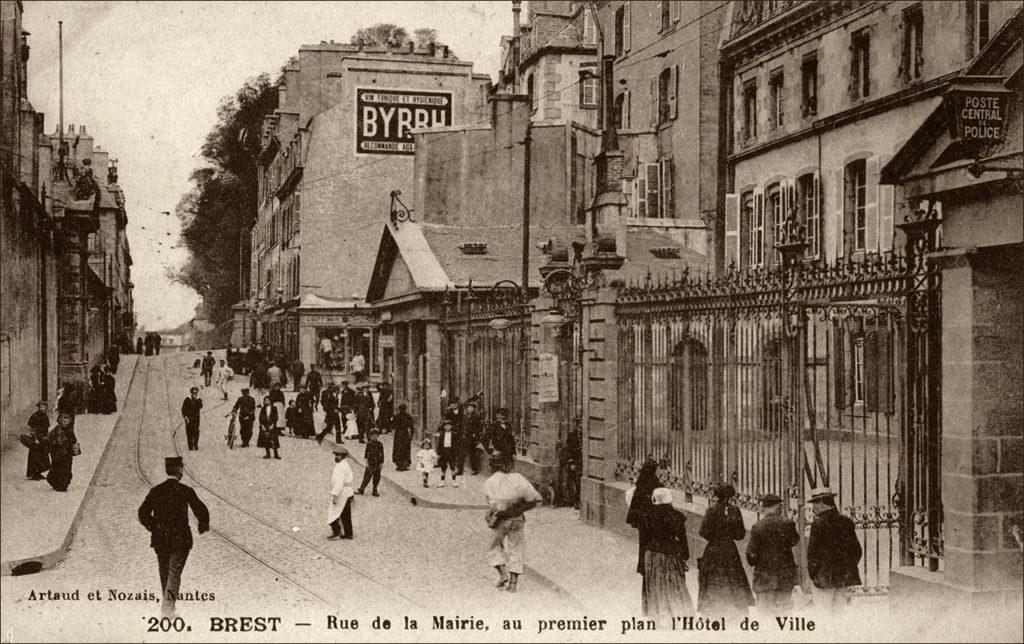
662,496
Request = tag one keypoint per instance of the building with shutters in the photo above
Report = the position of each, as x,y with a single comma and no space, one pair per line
666,111
817,98
338,142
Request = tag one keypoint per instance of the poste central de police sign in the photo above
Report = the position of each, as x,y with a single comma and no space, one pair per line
385,118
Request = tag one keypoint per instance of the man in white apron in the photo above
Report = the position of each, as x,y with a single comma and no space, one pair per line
339,510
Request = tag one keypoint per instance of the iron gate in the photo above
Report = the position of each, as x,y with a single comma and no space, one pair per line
785,379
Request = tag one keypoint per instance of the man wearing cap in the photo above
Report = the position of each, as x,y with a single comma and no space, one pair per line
833,552
374,457
346,404
206,370
499,436
448,452
165,514
364,410
770,552
191,408
472,433
339,510
245,409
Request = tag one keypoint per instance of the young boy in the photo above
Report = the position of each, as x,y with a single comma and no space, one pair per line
426,459
374,456
291,416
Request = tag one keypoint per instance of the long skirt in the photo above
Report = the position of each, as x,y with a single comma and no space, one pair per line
38,460
724,588
401,448
59,476
268,438
664,586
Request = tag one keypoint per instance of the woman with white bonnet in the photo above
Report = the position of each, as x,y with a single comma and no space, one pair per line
665,556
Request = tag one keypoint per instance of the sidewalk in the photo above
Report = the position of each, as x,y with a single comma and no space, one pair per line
38,523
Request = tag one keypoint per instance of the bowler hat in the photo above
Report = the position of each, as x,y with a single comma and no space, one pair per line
822,493
245,390
770,500
174,461
340,450
725,491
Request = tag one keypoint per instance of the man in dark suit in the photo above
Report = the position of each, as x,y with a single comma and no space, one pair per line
191,407
770,552
346,403
165,514
374,457
833,552
499,436
364,411
206,368
245,408
332,420
315,382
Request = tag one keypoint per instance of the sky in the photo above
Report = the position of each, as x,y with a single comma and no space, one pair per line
145,78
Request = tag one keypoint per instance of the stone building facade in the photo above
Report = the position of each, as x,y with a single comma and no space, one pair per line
344,121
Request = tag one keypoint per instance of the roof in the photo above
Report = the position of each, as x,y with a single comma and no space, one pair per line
436,256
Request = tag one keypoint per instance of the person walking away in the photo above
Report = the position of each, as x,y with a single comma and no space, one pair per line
114,357
206,369
304,413
157,340
276,396
275,375
164,513
770,553
259,380
499,436
448,442
315,383
268,438
191,408
95,405
364,410
297,369
472,433
290,417
510,495
426,460
339,510
724,589
332,421
38,455
833,553
139,346
374,457
245,409
401,447
221,376
667,550
108,395
639,501
63,446
385,407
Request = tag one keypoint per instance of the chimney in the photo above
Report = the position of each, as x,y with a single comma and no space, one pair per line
517,7
112,172
412,47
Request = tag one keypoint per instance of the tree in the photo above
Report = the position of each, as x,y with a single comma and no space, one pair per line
223,199
425,37
381,34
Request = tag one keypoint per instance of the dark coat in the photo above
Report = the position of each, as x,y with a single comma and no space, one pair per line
833,551
401,448
209,362
165,514
723,581
268,416
666,531
245,406
374,454
770,552
472,430
191,409
346,399
314,380
456,441
499,438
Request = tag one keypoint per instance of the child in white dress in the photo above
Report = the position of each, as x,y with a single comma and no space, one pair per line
426,460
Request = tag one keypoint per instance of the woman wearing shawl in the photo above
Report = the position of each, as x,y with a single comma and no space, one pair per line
724,588
639,500
61,441
665,593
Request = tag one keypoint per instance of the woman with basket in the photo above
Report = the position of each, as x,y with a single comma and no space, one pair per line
63,448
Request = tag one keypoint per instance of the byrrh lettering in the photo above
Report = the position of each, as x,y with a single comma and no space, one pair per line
397,122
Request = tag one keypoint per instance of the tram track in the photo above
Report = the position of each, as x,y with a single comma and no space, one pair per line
251,516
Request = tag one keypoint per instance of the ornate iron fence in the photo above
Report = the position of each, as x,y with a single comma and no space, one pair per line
785,379
485,348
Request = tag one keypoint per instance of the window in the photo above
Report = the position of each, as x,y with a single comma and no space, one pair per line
750,110
776,214
809,85
588,89
666,14
858,370
913,45
620,20
860,64
654,190
981,24
777,94
589,28
530,93
856,202
622,110
664,83
755,219
807,202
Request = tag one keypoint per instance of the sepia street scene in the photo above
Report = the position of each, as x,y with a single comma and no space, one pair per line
553,321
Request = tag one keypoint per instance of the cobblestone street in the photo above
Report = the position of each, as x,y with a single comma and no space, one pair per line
267,552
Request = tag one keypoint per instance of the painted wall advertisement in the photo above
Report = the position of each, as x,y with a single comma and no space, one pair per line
547,381
386,117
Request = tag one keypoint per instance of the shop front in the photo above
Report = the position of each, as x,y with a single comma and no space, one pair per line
342,339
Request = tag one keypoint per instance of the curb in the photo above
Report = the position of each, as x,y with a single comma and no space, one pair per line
50,559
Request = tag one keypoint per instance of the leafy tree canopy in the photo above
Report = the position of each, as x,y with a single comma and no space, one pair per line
392,36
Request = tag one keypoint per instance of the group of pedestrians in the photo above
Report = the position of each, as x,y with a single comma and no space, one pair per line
833,552
102,398
51,450
150,344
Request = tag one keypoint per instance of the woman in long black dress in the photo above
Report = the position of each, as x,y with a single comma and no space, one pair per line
385,407
666,595
61,441
724,587
401,448
96,405
38,454
109,396
640,503
268,438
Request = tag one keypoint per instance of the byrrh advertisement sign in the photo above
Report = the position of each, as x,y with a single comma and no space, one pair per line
386,117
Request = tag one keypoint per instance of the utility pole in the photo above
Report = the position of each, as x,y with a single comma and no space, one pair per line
526,212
